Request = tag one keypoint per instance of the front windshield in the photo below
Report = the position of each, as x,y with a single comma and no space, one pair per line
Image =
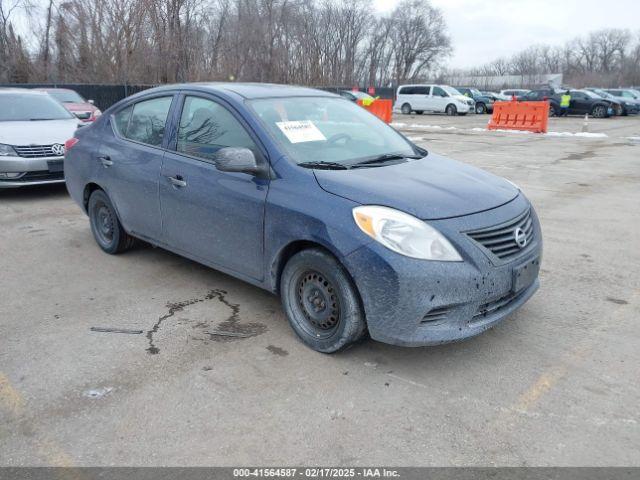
476,92
321,129
16,107
602,93
450,90
66,96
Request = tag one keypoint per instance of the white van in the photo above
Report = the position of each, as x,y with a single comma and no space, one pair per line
432,98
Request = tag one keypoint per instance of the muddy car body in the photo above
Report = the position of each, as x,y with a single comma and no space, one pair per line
305,194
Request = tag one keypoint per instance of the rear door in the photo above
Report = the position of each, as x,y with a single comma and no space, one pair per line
421,96
216,217
131,159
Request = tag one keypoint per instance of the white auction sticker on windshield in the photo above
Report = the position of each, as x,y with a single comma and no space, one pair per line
301,131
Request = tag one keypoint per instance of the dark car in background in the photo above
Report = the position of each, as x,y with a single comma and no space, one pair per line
496,97
307,195
85,110
621,105
484,103
582,102
627,95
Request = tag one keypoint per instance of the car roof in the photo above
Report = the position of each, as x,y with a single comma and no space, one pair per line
248,90
46,89
13,90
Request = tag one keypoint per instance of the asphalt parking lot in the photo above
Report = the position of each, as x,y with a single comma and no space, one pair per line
555,384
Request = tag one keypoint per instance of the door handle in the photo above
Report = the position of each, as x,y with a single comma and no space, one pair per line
177,181
106,161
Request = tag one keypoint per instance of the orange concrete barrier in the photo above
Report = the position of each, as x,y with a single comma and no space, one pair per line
528,116
380,108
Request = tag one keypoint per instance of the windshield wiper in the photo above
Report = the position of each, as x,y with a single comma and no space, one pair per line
324,165
382,159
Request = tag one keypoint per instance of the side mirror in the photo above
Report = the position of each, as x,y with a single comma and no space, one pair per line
91,101
237,159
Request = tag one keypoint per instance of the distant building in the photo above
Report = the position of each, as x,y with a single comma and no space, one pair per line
506,81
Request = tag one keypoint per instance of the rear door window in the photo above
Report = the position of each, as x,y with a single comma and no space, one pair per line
422,90
407,91
147,121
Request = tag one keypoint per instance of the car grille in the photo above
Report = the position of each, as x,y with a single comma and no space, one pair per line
500,239
35,151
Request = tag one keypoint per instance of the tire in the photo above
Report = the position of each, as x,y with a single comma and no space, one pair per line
419,112
105,226
451,110
599,111
552,111
321,303
406,109
481,108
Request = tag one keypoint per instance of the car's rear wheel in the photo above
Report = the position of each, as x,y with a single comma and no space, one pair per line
451,110
105,226
599,111
481,108
406,109
321,302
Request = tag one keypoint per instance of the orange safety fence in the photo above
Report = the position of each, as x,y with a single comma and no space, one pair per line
380,108
528,116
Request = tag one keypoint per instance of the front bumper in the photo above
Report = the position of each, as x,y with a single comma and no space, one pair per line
36,171
413,302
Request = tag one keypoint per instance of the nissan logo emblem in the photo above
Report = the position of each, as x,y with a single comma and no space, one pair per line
57,149
520,237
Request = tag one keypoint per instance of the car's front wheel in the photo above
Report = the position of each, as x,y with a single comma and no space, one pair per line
321,302
599,111
451,110
105,226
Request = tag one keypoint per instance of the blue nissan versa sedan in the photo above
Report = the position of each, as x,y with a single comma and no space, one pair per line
306,194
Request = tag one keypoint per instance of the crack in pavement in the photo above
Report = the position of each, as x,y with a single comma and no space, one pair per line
231,324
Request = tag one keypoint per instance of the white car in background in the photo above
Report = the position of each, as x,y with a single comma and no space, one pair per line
432,98
33,130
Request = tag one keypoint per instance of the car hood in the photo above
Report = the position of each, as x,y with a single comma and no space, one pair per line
79,107
432,188
40,132
462,98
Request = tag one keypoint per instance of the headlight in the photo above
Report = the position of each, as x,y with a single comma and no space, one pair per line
7,150
97,113
404,234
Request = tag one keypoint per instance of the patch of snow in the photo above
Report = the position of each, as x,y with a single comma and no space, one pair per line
97,392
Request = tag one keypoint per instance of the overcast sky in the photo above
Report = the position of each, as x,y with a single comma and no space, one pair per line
483,30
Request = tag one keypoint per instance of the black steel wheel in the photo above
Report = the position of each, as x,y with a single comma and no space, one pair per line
105,226
318,302
321,303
